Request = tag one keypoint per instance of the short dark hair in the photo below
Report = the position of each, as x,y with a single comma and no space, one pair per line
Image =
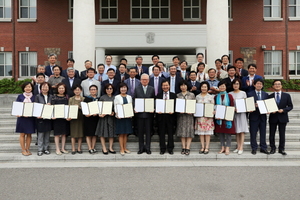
175,58
91,69
107,85
276,80
211,69
25,84
222,82
45,83
154,57
100,64
201,63
161,63
71,60
155,66
172,66
184,82
225,56
111,69
236,80
193,72
123,59
198,54
40,74
122,84
123,65
204,83
74,87
138,57
183,62
61,84
165,81
239,59
252,65
231,67
56,66
258,80
93,86
108,56
135,69
218,60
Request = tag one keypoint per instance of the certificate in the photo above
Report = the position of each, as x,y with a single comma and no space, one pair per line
120,111
93,107
220,112
128,110
17,108
37,109
85,108
107,107
66,111
27,110
209,110
169,108
190,106
180,105
149,105
240,105
139,105
271,105
59,111
100,106
73,112
199,110
250,105
160,106
47,111
262,107
229,115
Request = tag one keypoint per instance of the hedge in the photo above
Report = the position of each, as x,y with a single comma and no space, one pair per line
10,86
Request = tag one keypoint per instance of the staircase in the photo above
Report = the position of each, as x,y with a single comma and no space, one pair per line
10,150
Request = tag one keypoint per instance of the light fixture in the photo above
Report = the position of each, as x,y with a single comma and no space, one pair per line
27,48
263,47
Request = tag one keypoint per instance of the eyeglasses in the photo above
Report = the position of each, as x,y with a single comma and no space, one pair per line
109,88
93,89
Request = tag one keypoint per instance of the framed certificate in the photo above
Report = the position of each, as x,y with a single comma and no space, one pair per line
262,107
199,110
139,105
271,105
28,109
180,105
149,105
190,106
209,110
47,111
240,105
37,109
107,107
229,114
220,112
124,110
85,108
93,107
160,106
17,108
73,112
59,111
250,104
169,108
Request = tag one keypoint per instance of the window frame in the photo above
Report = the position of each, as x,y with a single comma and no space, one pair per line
273,65
273,18
27,19
5,7
71,10
191,7
230,10
295,63
297,16
108,7
150,13
29,65
5,64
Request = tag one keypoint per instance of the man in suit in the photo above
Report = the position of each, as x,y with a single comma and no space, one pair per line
132,82
258,121
194,85
165,121
247,81
70,63
140,68
200,59
221,74
40,78
183,73
144,119
155,60
52,58
122,75
111,79
213,82
100,76
225,62
174,80
279,118
231,76
83,74
85,84
71,81
156,80
240,71
176,61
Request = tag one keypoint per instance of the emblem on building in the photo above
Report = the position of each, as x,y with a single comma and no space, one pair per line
150,37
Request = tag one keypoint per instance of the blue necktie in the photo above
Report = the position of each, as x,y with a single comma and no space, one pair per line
277,98
258,96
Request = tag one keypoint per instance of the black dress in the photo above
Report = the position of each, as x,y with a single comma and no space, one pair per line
60,126
90,123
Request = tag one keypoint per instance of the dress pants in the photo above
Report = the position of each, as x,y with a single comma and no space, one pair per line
165,126
144,128
281,127
254,127
43,140
223,137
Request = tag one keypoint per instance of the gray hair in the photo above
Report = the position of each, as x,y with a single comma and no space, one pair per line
41,66
138,57
144,74
70,68
52,54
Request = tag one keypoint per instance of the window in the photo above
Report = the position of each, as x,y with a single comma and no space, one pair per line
108,10
272,9
294,63
71,10
153,10
28,63
27,10
70,54
5,64
230,9
191,10
294,9
272,63
5,10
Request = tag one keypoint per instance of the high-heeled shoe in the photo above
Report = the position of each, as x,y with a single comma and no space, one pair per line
201,151
105,153
206,151
24,153
222,151
187,152
183,151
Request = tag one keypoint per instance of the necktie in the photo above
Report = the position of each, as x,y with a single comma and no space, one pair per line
277,98
71,82
173,85
258,96
193,83
145,90
110,81
132,86
183,74
156,86
166,96
123,77
100,78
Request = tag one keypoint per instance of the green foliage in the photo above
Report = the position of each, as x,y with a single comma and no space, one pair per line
292,84
11,86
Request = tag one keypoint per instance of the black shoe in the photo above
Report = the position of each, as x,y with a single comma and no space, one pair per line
182,151
91,151
282,152
46,152
113,152
73,152
162,152
253,151
140,152
264,151
148,152
80,152
95,151
105,153
39,153
171,152
272,151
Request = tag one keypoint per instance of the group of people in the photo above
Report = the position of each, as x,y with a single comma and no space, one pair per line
219,85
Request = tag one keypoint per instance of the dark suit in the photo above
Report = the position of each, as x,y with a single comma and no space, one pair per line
144,70
187,74
258,121
247,88
115,83
166,124
48,70
229,65
83,75
243,73
128,83
178,79
197,84
280,119
228,84
160,80
64,73
144,119
36,90
118,76
66,81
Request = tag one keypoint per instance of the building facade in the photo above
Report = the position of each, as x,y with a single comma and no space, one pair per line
261,32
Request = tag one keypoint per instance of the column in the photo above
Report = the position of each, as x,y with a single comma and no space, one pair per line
217,30
100,56
83,32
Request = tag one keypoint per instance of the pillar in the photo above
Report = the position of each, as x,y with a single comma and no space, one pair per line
100,56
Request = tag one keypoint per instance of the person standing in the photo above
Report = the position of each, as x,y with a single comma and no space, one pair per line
156,80
108,65
132,82
221,74
56,78
247,81
194,85
70,64
155,60
174,80
111,80
140,68
279,118
201,75
87,64
71,81
144,119
85,84
52,58
200,59
100,76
